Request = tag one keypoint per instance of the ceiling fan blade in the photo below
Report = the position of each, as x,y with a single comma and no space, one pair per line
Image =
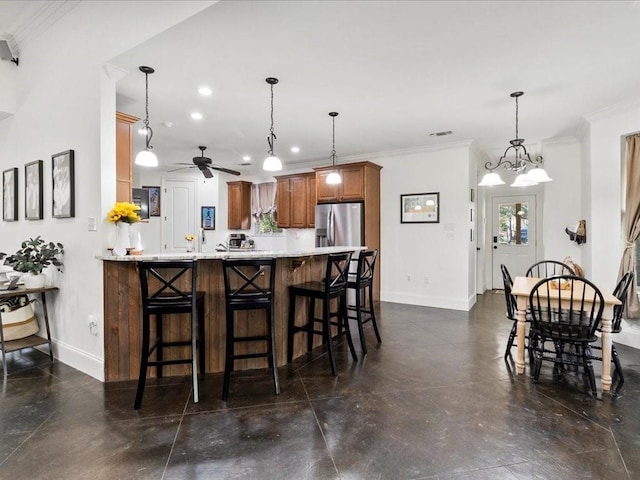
225,170
205,171
182,163
180,168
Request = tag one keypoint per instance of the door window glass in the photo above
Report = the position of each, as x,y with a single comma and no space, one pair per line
514,223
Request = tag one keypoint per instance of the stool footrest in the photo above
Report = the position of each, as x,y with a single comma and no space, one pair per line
252,338
250,355
155,363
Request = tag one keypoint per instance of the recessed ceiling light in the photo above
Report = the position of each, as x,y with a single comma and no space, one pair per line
196,116
205,91
167,124
246,158
295,149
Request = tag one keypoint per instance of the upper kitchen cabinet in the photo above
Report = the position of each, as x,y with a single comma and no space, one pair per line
359,180
124,156
239,205
296,200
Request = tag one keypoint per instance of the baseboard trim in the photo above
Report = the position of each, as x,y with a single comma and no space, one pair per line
80,360
428,301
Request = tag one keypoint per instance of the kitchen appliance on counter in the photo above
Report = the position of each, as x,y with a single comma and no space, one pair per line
339,224
236,240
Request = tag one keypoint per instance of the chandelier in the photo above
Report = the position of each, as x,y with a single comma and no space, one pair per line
519,164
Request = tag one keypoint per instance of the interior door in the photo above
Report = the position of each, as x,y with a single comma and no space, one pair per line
513,235
178,210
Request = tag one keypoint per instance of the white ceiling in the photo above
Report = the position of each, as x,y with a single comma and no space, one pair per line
396,71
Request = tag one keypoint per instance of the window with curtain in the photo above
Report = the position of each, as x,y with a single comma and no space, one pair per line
263,207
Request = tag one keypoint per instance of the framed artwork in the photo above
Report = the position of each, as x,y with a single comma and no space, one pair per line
63,191
420,208
154,201
10,195
140,197
208,218
33,190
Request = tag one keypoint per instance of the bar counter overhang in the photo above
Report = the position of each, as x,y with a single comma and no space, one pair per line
122,308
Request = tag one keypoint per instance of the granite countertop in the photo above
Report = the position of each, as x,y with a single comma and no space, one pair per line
233,254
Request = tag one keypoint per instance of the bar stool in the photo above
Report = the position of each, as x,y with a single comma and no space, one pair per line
333,286
362,284
169,287
249,285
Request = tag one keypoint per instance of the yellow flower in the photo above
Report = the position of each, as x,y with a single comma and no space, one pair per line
189,237
124,212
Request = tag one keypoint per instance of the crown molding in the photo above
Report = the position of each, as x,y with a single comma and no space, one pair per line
612,110
39,19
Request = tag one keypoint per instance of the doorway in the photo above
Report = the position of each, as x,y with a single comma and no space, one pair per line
513,235
178,205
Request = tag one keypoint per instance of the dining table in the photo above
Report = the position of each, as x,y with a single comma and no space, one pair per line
521,290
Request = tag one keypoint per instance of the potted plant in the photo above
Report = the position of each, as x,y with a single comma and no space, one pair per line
32,258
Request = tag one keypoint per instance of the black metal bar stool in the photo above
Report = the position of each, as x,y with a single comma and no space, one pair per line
249,285
362,285
169,287
333,286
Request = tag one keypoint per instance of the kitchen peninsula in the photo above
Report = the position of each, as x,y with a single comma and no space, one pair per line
122,307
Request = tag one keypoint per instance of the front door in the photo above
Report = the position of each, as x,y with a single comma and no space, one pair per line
513,235
178,212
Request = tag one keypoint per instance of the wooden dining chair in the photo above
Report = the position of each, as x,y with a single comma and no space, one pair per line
549,268
565,310
620,292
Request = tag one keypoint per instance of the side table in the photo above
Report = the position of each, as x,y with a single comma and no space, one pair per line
32,340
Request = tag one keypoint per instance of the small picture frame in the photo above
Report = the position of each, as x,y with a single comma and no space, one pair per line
33,190
154,200
63,185
420,208
10,195
208,218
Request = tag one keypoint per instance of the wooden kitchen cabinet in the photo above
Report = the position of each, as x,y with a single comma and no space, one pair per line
296,200
239,205
354,182
124,156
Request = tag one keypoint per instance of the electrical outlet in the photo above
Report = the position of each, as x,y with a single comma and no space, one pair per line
408,278
93,325
426,280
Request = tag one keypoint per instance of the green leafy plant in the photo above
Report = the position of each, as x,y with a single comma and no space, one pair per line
34,256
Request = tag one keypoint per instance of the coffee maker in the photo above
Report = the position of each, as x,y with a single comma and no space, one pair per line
236,240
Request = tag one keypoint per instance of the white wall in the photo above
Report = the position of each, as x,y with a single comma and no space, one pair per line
60,104
607,130
438,252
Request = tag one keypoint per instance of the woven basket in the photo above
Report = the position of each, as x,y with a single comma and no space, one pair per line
18,321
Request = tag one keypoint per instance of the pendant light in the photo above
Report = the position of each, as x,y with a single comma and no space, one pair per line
522,161
334,177
271,163
146,158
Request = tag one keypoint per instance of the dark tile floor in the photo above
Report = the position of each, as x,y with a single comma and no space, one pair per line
434,400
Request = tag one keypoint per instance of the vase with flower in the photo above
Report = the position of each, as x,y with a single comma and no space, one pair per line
123,214
190,238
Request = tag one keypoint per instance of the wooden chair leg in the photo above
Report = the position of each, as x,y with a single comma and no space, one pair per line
616,362
359,307
159,345
229,352
290,326
344,321
144,358
372,312
326,331
194,356
272,350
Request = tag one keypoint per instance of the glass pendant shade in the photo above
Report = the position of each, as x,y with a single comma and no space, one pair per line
523,180
334,178
146,158
272,164
491,179
538,175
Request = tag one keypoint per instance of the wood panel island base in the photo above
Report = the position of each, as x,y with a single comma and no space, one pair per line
122,309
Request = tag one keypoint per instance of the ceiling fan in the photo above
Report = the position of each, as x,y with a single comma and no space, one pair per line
205,165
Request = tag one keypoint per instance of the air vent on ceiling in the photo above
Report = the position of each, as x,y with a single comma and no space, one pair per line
440,134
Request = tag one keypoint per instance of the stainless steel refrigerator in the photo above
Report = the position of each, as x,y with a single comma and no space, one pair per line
339,224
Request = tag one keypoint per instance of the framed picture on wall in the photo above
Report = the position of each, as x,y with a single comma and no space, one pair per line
154,200
10,195
208,218
63,189
420,208
33,190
